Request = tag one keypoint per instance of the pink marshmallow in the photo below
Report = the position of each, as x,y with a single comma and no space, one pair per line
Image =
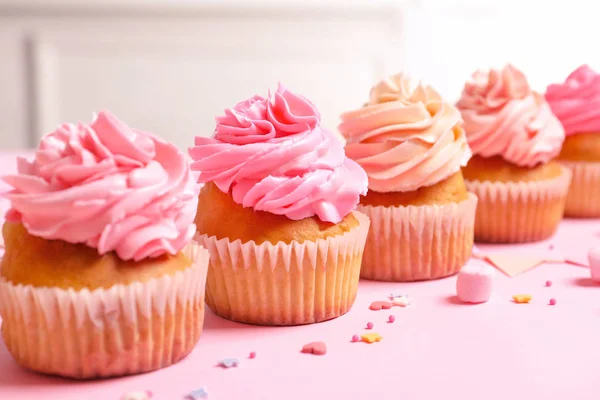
594,258
474,282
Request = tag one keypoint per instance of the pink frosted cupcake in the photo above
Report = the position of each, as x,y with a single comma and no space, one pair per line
514,137
411,144
576,103
277,214
99,278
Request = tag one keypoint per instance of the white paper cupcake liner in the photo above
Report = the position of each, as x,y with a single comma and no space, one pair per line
284,284
583,200
418,242
519,212
126,329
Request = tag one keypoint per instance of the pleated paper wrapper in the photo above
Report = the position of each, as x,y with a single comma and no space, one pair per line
413,243
126,329
519,212
583,200
285,284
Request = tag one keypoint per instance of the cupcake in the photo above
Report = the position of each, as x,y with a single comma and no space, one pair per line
277,214
514,138
99,277
576,103
412,146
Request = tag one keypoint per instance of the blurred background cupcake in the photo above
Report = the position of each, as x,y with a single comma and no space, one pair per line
99,278
514,138
410,143
277,214
576,103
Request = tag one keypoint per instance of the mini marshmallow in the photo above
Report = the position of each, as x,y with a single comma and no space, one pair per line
474,282
594,258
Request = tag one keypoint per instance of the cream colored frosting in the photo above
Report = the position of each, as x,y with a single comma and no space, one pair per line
405,137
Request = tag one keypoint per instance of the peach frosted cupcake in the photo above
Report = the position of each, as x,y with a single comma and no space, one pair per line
576,103
411,144
514,138
98,278
277,214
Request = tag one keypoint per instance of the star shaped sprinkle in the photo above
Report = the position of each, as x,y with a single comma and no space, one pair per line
316,348
371,337
522,298
229,362
139,395
401,301
197,394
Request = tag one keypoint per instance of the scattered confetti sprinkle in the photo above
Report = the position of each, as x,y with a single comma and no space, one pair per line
391,319
369,325
139,395
316,348
552,302
252,355
229,362
551,247
395,295
401,301
371,337
548,283
356,338
522,298
380,305
197,394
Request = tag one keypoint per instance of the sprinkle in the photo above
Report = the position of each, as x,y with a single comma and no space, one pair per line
552,302
551,247
316,348
197,394
252,355
369,325
139,395
371,337
401,301
229,362
548,283
395,295
356,338
522,298
391,319
380,305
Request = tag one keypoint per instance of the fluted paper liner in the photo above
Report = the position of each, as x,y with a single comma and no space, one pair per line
126,329
583,200
411,243
285,284
519,212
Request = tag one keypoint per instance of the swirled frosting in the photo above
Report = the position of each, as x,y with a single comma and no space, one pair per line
503,116
576,102
272,155
405,137
108,186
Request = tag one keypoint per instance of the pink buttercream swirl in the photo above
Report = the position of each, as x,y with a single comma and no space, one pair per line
405,137
503,116
108,186
272,155
576,102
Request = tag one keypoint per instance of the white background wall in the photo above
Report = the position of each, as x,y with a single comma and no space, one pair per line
169,66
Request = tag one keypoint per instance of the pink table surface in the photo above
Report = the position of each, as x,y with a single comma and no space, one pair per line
436,349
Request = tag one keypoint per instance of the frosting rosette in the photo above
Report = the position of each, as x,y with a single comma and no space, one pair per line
405,137
576,102
504,117
271,154
107,186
